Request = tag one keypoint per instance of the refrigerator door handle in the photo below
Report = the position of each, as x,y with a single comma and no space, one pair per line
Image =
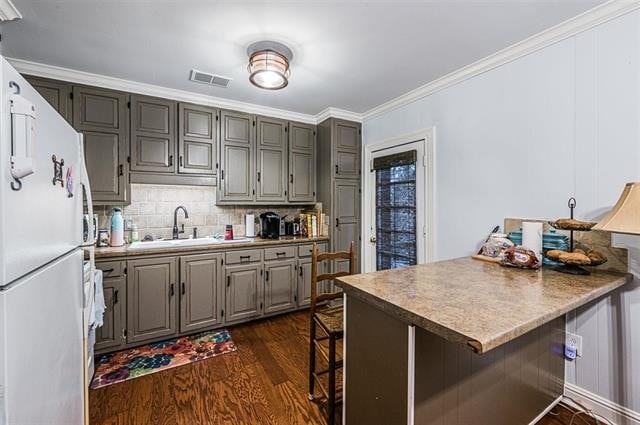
23,132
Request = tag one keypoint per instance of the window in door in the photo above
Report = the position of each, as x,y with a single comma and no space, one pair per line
396,221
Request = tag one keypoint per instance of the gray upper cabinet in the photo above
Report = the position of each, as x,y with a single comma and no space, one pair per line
151,298
237,147
110,334
271,160
101,116
57,93
279,286
302,163
243,292
197,137
200,292
153,134
347,149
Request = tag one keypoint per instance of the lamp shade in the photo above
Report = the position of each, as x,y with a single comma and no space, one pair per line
625,215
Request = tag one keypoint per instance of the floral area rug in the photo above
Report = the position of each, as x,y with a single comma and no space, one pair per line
128,364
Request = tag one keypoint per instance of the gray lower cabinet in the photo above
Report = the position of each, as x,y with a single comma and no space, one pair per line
243,292
200,292
280,292
237,147
111,334
197,138
57,93
153,136
101,116
151,298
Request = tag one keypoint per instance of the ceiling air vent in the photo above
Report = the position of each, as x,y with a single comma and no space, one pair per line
210,79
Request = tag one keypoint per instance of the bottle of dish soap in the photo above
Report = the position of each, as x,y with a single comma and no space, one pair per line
117,228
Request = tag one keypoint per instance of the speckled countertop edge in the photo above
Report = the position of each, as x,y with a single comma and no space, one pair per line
118,252
480,343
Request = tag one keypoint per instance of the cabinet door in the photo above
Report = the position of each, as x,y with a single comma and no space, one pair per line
151,298
347,149
271,161
153,134
57,93
302,163
200,292
236,157
304,281
197,131
347,219
101,116
244,292
347,135
279,286
111,334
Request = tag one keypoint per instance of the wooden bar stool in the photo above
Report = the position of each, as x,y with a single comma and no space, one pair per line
329,319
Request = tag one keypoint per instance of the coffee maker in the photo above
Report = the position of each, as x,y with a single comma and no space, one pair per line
271,225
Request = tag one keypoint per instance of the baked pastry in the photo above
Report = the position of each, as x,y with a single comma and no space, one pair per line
596,257
554,254
574,258
572,224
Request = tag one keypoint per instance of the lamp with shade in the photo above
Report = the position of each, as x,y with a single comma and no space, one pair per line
625,215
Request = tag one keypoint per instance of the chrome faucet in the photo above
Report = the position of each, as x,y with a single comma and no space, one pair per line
177,232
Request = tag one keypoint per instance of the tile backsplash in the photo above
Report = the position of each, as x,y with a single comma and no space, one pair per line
152,207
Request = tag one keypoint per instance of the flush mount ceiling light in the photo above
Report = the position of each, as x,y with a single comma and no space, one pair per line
269,64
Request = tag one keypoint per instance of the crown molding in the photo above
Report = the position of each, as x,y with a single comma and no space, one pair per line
87,78
8,11
580,23
332,112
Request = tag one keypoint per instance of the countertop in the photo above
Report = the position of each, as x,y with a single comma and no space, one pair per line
124,251
478,304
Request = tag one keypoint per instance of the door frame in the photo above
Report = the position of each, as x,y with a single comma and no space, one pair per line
427,137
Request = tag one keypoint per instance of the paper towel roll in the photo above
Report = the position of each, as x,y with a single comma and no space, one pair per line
532,237
250,226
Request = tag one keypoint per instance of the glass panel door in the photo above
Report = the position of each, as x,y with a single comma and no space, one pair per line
395,210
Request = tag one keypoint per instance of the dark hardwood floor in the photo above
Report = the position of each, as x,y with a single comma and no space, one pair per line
264,382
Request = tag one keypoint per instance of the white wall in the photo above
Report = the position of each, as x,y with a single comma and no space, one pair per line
518,141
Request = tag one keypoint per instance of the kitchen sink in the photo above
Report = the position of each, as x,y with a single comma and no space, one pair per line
175,243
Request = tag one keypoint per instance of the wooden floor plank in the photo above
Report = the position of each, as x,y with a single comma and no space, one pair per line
263,382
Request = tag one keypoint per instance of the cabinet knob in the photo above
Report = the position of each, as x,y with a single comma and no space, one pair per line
184,288
170,160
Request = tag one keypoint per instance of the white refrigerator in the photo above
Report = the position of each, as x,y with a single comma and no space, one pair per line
42,356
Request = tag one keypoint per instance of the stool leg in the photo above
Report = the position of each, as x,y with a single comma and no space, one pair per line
312,358
332,379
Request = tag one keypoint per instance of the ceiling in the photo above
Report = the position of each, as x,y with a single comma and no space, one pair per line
352,55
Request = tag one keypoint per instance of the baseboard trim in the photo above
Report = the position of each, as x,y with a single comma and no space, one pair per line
542,414
616,413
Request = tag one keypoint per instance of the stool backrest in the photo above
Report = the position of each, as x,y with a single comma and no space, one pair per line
317,278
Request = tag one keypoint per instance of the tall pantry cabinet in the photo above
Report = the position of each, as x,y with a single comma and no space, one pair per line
339,183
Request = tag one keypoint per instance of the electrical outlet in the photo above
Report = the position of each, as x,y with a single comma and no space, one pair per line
574,342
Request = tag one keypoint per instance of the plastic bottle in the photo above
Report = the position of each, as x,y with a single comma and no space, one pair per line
117,228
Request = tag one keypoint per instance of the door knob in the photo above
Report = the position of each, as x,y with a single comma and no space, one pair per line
372,239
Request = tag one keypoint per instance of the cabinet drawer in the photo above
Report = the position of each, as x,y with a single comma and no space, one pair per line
111,268
279,253
305,250
244,256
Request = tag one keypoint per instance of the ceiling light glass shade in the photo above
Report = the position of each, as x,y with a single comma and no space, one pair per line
625,215
269,70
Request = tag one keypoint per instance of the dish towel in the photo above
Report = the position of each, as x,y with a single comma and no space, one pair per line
99,305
